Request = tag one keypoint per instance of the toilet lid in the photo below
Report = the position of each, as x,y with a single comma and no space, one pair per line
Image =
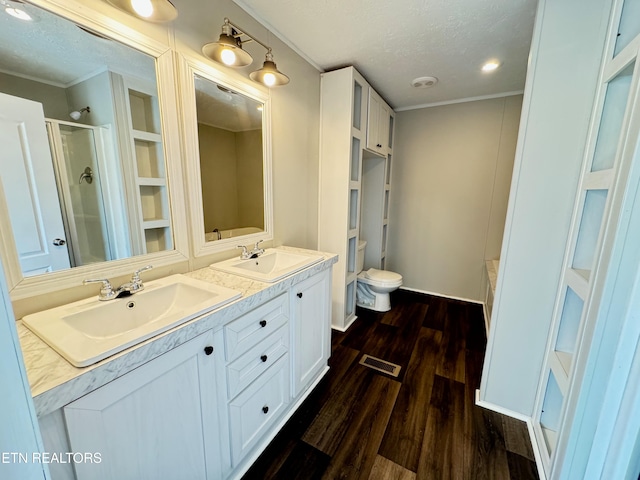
383,275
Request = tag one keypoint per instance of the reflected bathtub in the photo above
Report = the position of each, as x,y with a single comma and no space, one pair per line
234,232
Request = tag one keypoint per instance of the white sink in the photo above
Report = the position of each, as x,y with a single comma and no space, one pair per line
90,330
273,265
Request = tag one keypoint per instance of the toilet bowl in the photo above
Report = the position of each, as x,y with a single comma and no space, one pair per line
374,285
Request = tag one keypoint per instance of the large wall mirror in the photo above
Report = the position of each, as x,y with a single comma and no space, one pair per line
83,172
229,149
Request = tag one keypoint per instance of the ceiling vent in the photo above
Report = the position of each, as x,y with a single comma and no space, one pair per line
424,82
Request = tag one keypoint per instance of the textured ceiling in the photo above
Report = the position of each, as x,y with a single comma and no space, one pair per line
393,42
55,51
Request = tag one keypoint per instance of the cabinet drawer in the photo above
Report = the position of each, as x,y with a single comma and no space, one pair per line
255,410
250,329
257,360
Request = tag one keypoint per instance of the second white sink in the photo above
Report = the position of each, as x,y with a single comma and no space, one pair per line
273,265
88,331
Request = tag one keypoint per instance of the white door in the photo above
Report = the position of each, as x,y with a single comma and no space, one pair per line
19,434
26,171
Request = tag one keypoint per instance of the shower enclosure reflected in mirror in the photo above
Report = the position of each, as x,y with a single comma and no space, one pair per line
83,168
231,161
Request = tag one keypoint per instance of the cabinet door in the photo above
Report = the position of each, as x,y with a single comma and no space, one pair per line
311,324
162,420
374,141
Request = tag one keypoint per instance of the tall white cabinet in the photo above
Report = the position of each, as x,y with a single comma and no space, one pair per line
611,147
356,128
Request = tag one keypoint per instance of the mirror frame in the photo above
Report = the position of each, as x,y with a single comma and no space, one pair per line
23,287
189,67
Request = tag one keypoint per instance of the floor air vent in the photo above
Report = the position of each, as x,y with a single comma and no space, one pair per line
380,365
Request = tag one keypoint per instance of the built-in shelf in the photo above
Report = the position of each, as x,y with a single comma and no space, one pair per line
158,239
151,181
615,104
387,177
352,250
355,159
551,410
565,359
149,137
589,229
629,27
350,303
357,105
354,195
600,180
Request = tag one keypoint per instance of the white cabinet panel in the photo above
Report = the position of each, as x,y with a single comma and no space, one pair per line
310,302
255,410
159,421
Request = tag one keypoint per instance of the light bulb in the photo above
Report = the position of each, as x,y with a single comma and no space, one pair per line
144,8
269,79
228,56
18,13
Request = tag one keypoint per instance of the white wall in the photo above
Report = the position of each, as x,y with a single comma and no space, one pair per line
450,184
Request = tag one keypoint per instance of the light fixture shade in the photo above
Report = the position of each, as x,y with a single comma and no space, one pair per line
227,43
269,75
157,11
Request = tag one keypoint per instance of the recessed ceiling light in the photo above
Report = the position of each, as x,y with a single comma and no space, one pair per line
424,82
490,66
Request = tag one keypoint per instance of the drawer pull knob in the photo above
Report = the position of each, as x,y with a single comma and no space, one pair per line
265,409
208,349
263,323
263,358
299,294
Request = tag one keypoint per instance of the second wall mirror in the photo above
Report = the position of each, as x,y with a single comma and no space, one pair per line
228,147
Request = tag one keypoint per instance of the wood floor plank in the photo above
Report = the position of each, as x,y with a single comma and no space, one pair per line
443,443
452,349
516,437
521,468
490,455
384,469
437,313
304,463
337,413
402,440
356,453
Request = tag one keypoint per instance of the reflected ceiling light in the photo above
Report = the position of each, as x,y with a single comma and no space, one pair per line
490,66
157,11
228,51
76,114
16,9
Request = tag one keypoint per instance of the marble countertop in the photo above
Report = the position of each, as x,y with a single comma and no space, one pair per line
55,382
492,273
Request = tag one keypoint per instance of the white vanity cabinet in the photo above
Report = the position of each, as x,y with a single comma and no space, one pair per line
162,420
207,408
310,311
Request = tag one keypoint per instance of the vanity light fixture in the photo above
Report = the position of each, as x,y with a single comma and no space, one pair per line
157,11
228,51
76,114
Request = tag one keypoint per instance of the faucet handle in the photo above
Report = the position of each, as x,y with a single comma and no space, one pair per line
106,290
256,248
258,243
135,277
245,253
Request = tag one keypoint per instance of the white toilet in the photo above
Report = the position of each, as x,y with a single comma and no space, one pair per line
374,285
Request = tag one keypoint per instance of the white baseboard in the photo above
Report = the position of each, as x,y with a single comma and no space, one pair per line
435,294
346,327
523,418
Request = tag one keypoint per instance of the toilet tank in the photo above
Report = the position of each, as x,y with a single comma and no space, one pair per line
360,256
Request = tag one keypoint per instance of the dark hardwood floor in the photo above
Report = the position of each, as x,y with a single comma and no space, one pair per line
362,424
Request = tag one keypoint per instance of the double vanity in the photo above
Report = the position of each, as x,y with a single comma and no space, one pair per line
198,400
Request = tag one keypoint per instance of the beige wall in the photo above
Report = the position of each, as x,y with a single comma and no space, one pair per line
451,177
250,179
52,98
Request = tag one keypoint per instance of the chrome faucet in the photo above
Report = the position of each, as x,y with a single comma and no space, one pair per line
107,291
255,253
215,230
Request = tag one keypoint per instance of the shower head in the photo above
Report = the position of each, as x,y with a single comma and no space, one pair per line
76,114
